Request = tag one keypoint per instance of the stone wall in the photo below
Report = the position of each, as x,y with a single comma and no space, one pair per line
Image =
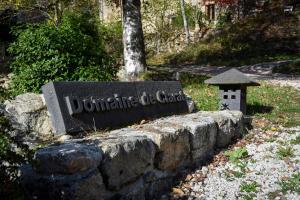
138,162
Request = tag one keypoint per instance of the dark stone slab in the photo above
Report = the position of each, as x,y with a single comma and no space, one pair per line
82,106
159,109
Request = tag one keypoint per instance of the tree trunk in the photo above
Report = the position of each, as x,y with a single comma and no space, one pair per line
133,39
101,9
185,22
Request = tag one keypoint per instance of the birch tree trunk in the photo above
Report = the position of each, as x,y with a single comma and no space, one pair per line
185,22
133,39
101,9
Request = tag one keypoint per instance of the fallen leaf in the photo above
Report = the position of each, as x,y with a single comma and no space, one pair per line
177,191
187,186
188,177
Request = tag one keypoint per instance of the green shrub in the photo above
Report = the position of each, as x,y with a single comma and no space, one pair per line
290,68
260,38
73,50
112,34
224,19
10,160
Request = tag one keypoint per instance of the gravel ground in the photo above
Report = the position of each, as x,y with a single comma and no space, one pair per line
264,168
292,82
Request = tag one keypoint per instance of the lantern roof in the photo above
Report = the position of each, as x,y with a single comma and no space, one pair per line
231,77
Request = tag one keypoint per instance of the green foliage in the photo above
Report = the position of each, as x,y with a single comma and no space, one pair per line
9,163
112,34
271,139
260,38
238,174
205,96
237,154
290,68
224,19
296,140
249,189
194,16
4,94
285,152
74,50
291,184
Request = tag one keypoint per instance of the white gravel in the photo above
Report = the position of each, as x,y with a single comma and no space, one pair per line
263,167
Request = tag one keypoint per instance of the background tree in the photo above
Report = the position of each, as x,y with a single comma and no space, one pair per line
185,22
158,26
133,39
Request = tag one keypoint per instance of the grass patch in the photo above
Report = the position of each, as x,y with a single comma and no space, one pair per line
271,139
249,190
281,105
235,157
296,140
238,174
285,152
237,154
291,184
249,187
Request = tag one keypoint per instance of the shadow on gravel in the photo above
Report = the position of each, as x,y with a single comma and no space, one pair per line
257,108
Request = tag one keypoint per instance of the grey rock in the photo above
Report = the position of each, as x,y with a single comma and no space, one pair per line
157,183
83,185
133,191
28,113
230,126
127,155
203,133
140,162
67,158
172,141
191,104
91,188
177,136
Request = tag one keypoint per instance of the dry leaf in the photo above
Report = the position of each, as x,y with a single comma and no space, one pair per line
177,191
188,177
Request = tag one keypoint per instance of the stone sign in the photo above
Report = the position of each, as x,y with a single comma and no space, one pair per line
81,106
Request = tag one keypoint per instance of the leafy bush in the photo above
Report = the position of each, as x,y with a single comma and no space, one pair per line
224,19
12,155
268,36
73,50
112,34
290,68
